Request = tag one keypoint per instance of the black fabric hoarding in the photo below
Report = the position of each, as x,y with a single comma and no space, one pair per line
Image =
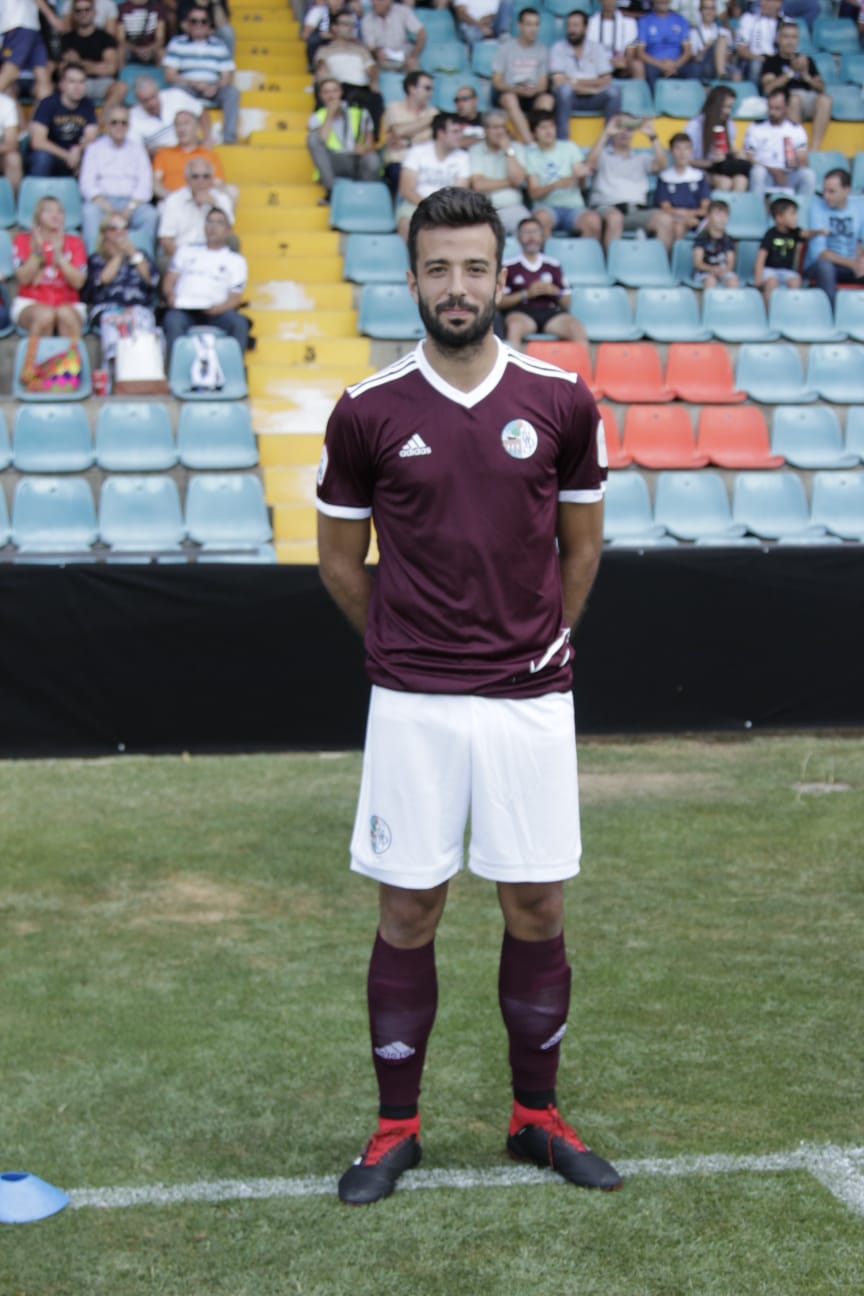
97,658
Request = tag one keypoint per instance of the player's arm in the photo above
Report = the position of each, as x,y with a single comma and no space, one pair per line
343,544
580,543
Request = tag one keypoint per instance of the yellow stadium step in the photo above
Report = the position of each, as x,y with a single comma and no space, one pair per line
294,242
302,450
267,260
280,195
284,123
287,57
278,138
290,384
253,24
304,325
282,165
284,294
279,84
290,485
295,521
297,553
273,220
348,352
304,406
275,101
271,6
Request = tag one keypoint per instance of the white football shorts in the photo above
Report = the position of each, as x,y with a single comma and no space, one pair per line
432,760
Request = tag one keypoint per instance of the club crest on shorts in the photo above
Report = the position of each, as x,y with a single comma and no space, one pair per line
519,438
379,835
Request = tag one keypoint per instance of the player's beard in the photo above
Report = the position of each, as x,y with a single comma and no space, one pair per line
451,339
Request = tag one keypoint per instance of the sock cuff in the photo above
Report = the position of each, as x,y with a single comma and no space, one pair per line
391,958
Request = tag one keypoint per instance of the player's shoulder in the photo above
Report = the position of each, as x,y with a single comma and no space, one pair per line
400,370
529,367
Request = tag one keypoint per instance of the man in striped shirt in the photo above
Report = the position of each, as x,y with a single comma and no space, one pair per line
200,63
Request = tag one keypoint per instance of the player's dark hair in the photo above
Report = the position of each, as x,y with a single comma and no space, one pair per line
452,208
680,138
841,174
781,205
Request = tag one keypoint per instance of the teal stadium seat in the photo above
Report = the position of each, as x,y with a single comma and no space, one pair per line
838,503
389,311
773,505
5,529
8,206
48,347
669,315
141,514
390,85
361,206
736,315
227,511
809,437
35,187
445,56
438,23
695,506
604,313
821,161
583,261
52,439
132,71
627,516
640,263
5,446
636,98
7,268
836,371
482,55
134,436
748,218
855,430
836,35
230,360
216,434
852,68
678,97
826,66
375,258
745,260
846,103
849,313
803,315
772,374
53,515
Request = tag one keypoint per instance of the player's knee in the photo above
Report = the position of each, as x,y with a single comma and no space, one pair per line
410,918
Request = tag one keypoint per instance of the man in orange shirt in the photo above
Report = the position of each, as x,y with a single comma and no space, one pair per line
169,164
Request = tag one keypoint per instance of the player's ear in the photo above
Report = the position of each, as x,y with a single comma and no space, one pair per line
412,283
499,284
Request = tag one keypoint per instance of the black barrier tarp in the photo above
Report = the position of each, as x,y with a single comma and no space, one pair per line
102,658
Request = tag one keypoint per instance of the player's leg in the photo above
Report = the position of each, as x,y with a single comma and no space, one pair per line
526,837
408,836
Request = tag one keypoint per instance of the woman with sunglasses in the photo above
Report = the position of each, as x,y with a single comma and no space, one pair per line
121,286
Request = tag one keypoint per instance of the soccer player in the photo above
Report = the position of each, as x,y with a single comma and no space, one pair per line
472,460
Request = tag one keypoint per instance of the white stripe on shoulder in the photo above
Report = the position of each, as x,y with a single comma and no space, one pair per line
342,511
398,369
582,496
540,367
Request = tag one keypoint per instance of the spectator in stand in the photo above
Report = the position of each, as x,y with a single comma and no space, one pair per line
777,147
836,254
520,76
714,250
805,10
205,285
116,177
62,126
481,20
318,25
664,44
106,16
219,20
497,169
756,38
440,163
556,169
581,76
142,32
50,269
185,211
467,117
536,297
10,128
23,46
407,121
789,69
682,189
155,111
121,286
777,259
618,34
709,45
712,135
169,164
619,191
94,50
346,60
388,31
341,140
200,63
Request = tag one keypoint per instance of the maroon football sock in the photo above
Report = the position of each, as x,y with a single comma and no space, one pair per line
534,993
403,995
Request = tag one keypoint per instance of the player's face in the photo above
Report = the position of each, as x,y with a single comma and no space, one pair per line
457,284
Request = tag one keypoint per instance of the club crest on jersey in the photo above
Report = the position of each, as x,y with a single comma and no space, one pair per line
379,834
519,438
322,465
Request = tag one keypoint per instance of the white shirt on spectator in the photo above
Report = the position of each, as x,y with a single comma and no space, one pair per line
8,113
183,218
432,172
613,34
159,132
758,33
207,276
767,142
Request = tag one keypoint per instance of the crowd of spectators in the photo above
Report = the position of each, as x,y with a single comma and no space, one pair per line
152,191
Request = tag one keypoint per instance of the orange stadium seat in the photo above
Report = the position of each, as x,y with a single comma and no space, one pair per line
701,372
572,356
617,455
661,437
736,438
630,372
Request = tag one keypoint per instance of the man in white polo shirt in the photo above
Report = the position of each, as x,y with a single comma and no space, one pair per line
777,147
185,211
205,285
152,117
440,163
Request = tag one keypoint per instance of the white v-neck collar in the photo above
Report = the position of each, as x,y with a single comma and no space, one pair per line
468,399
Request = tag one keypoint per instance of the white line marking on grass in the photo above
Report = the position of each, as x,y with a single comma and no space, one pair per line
840,1170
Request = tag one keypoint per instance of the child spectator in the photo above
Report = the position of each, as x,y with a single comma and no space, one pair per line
714,250
50,268
777,257
682,189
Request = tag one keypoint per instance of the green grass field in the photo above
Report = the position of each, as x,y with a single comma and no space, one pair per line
183,957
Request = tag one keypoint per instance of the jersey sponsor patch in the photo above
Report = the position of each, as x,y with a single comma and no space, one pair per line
519,438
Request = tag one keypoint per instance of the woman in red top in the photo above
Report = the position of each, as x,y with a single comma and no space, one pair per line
50,267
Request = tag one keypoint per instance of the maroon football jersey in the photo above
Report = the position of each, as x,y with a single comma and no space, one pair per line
463,488
521,274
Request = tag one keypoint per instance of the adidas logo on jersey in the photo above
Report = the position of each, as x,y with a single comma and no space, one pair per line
416,446
396,1052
